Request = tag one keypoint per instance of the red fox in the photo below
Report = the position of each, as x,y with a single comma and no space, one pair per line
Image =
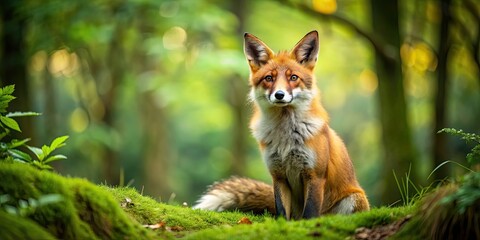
311,171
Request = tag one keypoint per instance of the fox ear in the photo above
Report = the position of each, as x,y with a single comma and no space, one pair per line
256,52
306,50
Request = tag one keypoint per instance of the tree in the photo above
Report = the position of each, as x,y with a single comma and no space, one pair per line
396,133
13,67
439,149
237,94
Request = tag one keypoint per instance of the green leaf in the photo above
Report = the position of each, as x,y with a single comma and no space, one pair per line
23,114
58,142
54,158
40,165
3,134
10,123
46,151
7,90
16,143
49,198
19,155
4,199
37,151
11,210
45,167
4,101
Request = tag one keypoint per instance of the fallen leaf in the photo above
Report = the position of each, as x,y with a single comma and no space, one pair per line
156,226
244,220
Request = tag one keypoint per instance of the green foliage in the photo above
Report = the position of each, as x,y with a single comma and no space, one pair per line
474,156
9,150
42,156
27,207
468,192
467,195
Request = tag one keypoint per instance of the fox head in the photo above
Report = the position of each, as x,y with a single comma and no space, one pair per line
282,79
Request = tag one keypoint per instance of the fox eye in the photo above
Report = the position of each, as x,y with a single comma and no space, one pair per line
268,78
293,78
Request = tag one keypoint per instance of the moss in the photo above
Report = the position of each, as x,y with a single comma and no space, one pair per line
88,211
148,211
85,211
15,227
327,227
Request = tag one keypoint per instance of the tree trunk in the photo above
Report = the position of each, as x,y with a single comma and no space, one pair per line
116,66
397,142
156,147
13,67
440,140
238,89
156,151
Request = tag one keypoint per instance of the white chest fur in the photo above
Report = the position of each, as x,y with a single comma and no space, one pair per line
284,133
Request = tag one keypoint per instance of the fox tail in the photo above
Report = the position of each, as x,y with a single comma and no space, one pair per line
236,193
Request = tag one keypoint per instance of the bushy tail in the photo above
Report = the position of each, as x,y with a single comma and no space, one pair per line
236,193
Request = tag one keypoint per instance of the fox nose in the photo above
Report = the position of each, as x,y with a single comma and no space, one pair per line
279,95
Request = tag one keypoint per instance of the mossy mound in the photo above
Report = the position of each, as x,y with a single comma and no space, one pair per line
85,211
13,228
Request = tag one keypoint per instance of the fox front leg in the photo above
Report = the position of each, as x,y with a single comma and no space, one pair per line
313,192
283,198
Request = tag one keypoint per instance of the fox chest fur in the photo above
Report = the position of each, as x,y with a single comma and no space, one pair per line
283,133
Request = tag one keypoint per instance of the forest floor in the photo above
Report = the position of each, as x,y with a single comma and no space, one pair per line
184,222
82,210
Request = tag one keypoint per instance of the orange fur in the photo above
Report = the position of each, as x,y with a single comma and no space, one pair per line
309,163
332,178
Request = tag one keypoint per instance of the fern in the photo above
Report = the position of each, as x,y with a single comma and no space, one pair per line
468,192
474,156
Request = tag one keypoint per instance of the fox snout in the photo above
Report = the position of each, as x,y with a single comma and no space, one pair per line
280,97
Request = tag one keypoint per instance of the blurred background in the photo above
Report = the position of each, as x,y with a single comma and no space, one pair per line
153,93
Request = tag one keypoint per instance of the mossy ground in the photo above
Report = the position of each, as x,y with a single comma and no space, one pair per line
88,211
327,227
85,211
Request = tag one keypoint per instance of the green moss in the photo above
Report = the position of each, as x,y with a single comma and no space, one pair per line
88,211
148,211
85,211
15,227
327,227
